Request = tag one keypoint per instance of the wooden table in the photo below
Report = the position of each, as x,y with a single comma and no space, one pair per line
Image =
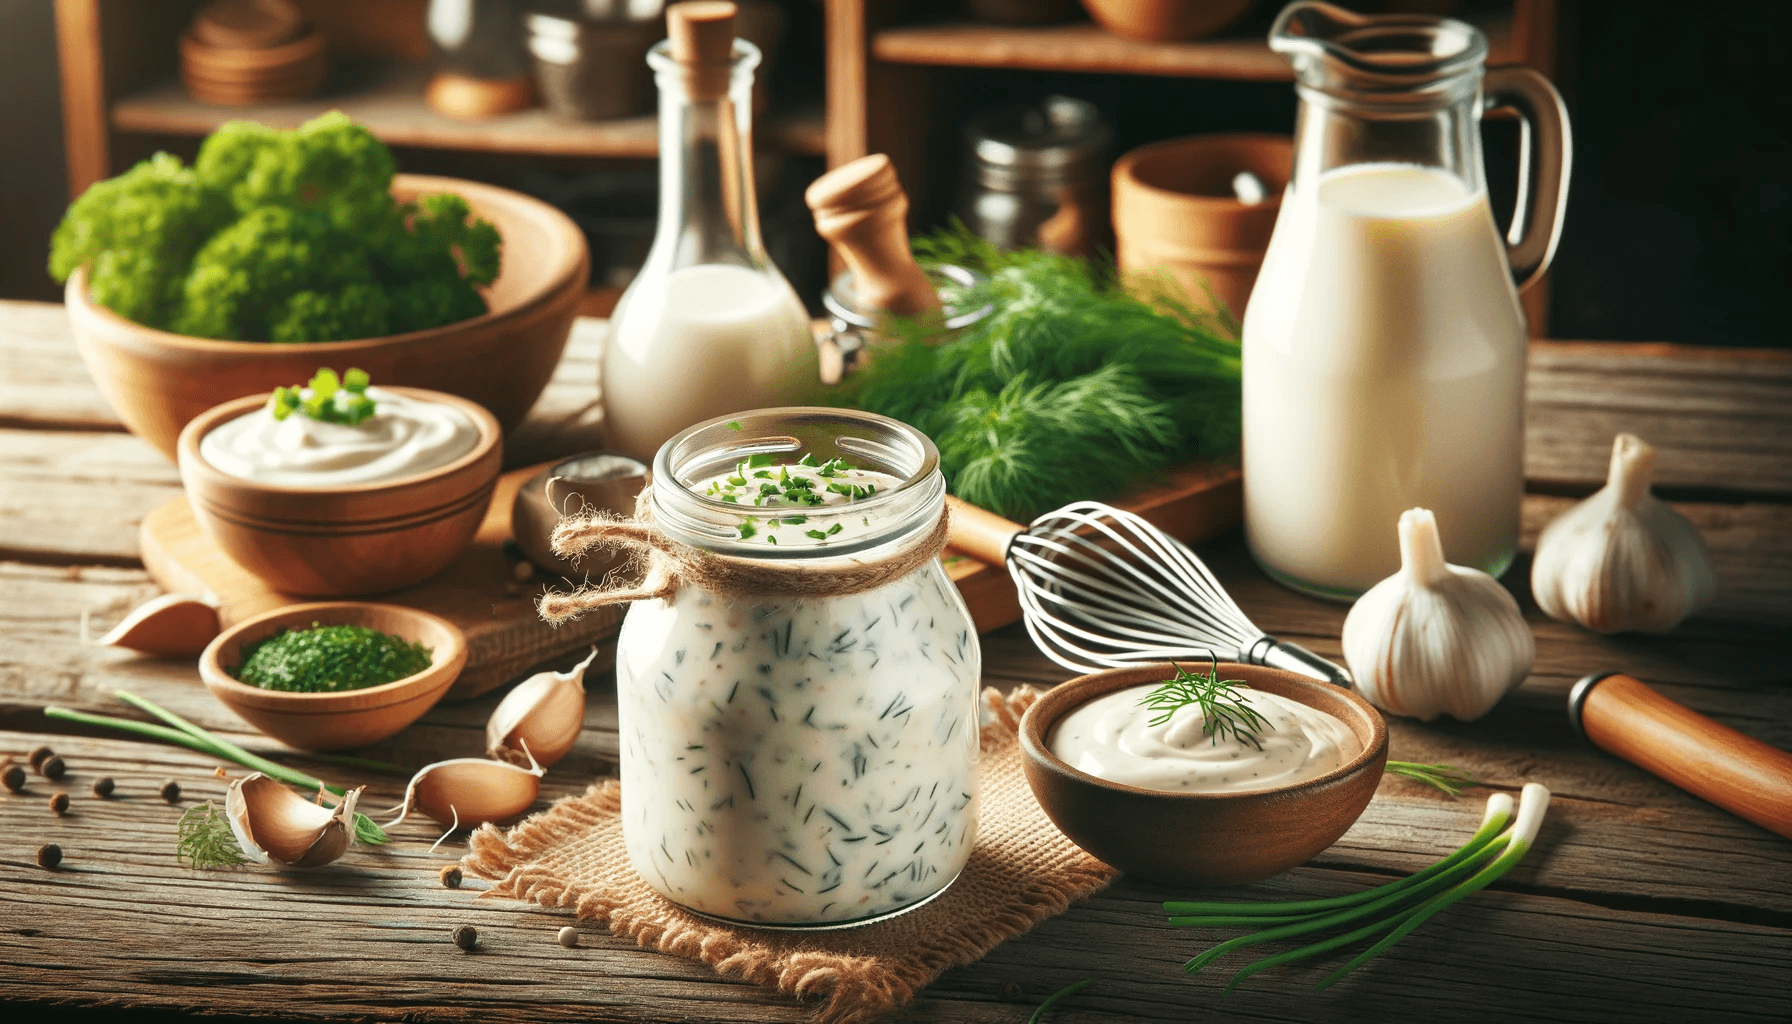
1638,903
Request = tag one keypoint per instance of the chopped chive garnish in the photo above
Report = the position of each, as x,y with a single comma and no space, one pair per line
747,530
808,460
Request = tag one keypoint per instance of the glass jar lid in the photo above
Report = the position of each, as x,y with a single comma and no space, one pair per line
764,440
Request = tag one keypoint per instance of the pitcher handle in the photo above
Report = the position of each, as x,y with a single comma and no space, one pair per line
1545,128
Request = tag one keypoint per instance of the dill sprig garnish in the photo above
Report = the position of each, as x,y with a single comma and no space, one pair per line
1224,711
204,839
1074,386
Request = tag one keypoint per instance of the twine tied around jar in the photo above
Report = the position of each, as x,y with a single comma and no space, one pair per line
663,565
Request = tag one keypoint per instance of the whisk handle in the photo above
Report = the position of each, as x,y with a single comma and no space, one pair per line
1292,657
980,533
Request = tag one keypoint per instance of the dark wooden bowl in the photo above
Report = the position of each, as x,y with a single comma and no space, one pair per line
348,540
157,381
352,718
1203,839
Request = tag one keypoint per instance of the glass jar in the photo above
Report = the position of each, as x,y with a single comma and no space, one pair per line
800,761
1037,176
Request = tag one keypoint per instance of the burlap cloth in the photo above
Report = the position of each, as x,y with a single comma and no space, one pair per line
1021,871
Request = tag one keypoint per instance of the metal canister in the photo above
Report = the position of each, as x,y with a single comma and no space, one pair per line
1036,176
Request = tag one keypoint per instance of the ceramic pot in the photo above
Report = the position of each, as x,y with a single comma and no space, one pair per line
1174,209
1165,21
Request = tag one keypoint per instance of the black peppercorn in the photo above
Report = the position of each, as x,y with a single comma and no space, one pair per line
103,786
38,755
52,767
49,855
59,804
466,937
451,875
14,778
171,791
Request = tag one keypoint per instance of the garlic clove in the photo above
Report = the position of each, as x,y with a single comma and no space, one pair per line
1436,638
1623,560
470,791
272,822
170,626
545,712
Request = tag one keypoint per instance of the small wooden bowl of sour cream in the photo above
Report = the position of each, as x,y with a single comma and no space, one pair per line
1239,818
320,525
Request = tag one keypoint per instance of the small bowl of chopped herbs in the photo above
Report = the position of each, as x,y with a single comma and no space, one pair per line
334,675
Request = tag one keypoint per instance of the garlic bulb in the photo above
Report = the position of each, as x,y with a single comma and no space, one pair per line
272,822
545,712
1436,638
1623,560
469,791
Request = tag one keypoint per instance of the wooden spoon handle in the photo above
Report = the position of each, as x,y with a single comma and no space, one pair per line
1737,772
980,533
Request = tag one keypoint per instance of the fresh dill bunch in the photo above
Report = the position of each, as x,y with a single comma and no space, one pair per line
204,839
1224,710
1072,387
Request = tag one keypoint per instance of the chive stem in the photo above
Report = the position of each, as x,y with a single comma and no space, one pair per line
1499,812
1068,990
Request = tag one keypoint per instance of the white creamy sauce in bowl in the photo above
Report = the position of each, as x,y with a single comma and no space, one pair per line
801,761
404,437
1112,738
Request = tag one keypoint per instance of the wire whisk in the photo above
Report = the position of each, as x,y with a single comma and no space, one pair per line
1102,588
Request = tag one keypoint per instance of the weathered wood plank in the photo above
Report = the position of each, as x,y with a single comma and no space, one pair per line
78,497
42,380
369,937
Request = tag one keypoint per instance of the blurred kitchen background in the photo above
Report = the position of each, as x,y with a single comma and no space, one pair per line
1679,224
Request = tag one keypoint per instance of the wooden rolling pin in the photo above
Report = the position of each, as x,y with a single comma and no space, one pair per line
1737,772
861,210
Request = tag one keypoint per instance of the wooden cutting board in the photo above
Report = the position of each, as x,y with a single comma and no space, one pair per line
477,592
505,638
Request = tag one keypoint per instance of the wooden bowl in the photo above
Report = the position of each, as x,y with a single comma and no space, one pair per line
352,718
236,77
348,540
157,381
1174,210
1165,21
1203,839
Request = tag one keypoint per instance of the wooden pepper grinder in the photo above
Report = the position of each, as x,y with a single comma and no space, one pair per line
861,210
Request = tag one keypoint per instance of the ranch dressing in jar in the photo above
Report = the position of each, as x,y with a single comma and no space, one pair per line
800,759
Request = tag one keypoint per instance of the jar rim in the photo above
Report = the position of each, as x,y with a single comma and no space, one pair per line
872,441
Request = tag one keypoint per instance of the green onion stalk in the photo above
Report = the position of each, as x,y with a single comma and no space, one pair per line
1478,863
184,733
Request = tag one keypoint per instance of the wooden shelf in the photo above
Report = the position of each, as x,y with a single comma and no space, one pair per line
392,106
1085,47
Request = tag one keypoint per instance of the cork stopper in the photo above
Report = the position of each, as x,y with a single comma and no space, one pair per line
702,38
861,210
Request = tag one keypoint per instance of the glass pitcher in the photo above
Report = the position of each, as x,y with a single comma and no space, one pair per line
1384,347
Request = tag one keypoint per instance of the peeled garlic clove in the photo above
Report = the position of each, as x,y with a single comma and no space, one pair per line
272,822
170,626
545,712
1436,638
1623,560
470,791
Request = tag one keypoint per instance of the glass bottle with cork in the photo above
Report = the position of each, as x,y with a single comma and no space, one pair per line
709,325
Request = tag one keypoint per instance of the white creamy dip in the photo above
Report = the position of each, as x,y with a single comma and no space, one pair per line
1111,738
402,438
801,761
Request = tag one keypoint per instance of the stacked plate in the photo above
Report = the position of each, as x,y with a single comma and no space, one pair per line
240,53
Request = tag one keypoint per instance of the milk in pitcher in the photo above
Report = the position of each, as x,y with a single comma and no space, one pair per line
1383,369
